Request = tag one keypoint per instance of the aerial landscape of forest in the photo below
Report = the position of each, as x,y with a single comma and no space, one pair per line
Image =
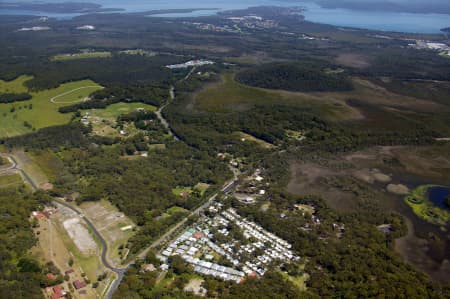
224,150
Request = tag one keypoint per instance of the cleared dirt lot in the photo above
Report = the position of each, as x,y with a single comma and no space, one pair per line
80,235
55,245
110,223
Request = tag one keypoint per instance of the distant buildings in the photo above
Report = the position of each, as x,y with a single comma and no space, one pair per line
251,255
86,27
190,63
35,28
442,48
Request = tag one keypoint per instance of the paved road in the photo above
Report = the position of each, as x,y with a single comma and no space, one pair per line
161,117
10,167
15,167
168,235
119,271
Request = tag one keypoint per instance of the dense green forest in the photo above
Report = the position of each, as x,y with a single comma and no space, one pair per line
14,97
21,276
57,137
104,172
119,69
294,77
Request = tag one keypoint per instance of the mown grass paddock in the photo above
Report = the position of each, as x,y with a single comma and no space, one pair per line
40,111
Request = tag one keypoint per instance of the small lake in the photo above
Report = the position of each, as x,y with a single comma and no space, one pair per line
437,196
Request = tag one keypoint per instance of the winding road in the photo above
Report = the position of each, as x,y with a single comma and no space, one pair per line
161,117
166,236
119,271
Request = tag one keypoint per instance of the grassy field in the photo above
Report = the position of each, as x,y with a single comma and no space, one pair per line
10,181
229,96
104,120
424,208
48,163
39,112
178,190
4,162
202,187
14,86
113,111
298,281
83,55
258,141
33,170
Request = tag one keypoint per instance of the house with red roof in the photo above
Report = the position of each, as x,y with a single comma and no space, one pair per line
58,292
197,235
78,284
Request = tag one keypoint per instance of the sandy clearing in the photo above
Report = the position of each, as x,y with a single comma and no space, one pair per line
398,189
195,286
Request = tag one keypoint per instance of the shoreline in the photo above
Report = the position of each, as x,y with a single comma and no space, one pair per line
345,18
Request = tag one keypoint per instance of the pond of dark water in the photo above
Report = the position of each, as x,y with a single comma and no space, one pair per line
438,196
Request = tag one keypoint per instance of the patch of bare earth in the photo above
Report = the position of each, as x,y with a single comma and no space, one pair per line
399,189
109,222
195,286
80,235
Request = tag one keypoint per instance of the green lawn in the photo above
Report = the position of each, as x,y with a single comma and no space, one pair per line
4,162
14,86
104,120
260,142
178,190
47,161
202,187
40,111
83,55
10,181
298,281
